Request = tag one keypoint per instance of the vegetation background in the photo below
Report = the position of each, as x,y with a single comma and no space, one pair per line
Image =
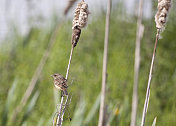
21,54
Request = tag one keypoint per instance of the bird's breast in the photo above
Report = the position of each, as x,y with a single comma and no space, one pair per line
56,86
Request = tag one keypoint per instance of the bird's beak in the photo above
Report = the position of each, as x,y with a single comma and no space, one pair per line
51,75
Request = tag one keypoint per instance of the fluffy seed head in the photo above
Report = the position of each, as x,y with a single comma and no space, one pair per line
162,13
79,21
81,15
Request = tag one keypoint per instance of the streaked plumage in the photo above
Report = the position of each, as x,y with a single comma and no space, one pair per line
60,83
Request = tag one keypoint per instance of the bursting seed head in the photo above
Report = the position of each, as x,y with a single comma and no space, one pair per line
162,13
79,21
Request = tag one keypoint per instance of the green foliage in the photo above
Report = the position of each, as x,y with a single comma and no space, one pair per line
20,56
92,111
154,122
9,101
30,107
79,114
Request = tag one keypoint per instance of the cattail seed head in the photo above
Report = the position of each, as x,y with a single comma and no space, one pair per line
162,13
75,36
81,15
79,21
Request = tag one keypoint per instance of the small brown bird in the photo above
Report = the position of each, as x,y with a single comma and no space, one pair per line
60,83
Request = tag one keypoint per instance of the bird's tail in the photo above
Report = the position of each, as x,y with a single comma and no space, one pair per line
65,92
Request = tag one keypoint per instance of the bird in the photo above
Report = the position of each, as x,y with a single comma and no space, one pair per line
60,83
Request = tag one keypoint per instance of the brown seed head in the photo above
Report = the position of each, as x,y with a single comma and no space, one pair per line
79,21
75,36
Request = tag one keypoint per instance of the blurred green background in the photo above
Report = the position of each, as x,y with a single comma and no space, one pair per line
20,56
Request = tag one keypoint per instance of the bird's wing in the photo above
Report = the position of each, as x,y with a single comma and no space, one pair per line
65,85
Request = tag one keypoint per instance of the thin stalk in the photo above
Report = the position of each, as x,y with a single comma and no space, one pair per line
104,73
68,68
63,112
77,25
69,6
149,80
63,106
137,65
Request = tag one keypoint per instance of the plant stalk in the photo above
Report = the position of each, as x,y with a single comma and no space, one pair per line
149,80
63,106
104,73
137,64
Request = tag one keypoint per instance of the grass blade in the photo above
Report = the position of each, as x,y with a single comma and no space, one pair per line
154,121
79,114
92,111
30,107
41,122
116,112
10,97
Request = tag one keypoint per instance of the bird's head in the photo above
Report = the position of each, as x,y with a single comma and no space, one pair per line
55,75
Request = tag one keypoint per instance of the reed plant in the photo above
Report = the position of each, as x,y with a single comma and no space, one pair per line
102,120
160,20
79,22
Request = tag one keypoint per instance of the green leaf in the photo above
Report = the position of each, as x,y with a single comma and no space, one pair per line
10,97
79,114
41,121
30,107
154,121
92,111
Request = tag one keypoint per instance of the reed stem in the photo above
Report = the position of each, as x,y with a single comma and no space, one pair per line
149,80
139,34
104,73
